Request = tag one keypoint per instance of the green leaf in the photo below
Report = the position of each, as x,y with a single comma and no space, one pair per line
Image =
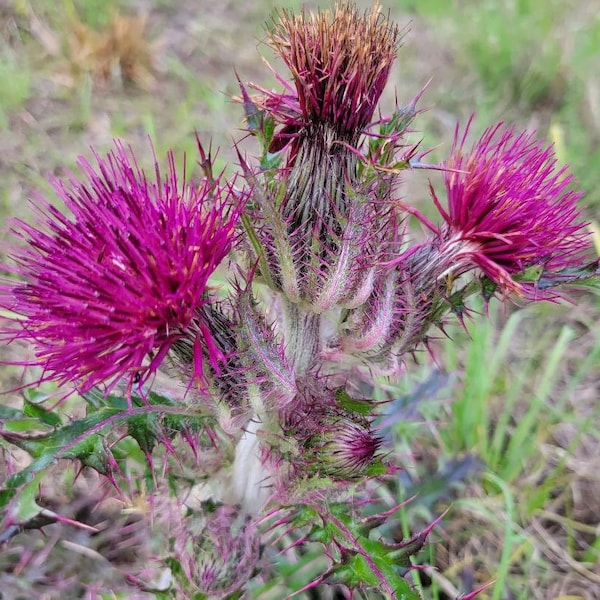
256,244
65,439
488,289
588,275
268,129
361,407
376,469
25,508
357,573
254,116
145,430
23,425
81,439
530,274
354,573
305,515
96,399
32,409
92,452
270,161
8,413
76,440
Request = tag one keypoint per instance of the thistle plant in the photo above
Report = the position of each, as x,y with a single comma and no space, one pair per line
251,393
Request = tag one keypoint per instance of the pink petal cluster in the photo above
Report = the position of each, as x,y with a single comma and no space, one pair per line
510,208
109,285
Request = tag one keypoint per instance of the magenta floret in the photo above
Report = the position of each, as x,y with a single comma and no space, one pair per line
109,286
340,61
510,207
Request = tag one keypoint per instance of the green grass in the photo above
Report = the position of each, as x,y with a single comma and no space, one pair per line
15,85
505,439
95,13
513,390
528,63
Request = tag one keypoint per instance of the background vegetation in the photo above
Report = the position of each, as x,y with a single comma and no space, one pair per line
503,427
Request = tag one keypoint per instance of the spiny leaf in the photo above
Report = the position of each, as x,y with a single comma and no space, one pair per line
63,440
270,161
356,573
254,116
488,289
25,508
145,430
81,439
589,276
530,274
92,452
32,409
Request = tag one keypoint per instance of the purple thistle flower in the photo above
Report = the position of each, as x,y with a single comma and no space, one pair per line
510,208
108,287
340,61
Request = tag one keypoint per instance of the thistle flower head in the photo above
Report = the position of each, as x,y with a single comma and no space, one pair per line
330,439
221,558
345,450
340,61
511,208
108,287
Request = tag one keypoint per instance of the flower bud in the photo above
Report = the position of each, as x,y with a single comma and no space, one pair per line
220,560
345,450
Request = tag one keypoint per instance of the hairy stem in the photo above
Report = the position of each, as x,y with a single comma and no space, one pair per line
301,334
